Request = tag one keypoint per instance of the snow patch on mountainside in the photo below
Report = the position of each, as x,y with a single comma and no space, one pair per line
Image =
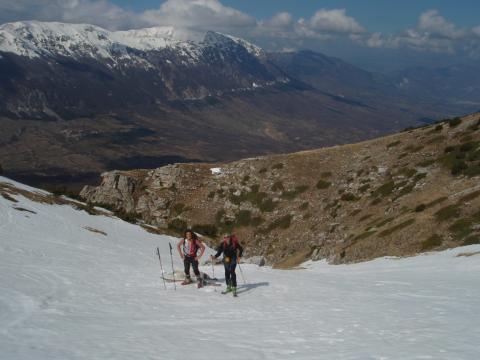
154,38
251,48
224,40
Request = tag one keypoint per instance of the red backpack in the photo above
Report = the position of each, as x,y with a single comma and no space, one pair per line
234,241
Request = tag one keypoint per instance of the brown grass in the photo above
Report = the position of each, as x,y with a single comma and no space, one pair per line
96,231
8,197
25,210
293,260
468,254
396,228
471,196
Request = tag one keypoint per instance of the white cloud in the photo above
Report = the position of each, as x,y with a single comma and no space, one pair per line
375,40
476,31
323,25
335,21
198,15
410,39
97,12
280,20
433,33
435,25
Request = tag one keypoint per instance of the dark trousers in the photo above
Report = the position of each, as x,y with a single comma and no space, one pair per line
230,276
187,261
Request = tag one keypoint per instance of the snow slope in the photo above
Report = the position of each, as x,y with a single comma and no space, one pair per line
70,293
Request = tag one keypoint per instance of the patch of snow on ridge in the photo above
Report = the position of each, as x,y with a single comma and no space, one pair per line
217,38
146,39
251,48
216,171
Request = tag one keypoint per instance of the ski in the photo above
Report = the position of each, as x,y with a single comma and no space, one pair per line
205,283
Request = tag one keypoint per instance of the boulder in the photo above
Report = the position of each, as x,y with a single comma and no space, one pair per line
256,260
116,189
166,176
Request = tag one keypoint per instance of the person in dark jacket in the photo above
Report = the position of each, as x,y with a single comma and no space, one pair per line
188,249
232,253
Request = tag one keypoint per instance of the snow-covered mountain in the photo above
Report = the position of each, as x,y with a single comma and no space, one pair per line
79,286
47,56
37,39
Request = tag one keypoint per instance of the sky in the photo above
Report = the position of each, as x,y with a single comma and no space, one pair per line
371,33
379,15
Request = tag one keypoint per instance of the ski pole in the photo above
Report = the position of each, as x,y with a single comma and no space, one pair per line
241,272
173,270
161,267
213,267
213,271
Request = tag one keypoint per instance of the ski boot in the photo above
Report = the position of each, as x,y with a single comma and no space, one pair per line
186,281
234,291
229,289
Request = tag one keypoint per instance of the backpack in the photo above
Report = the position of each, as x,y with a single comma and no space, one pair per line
234,241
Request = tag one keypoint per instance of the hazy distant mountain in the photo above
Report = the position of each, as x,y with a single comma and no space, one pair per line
458,85
432,91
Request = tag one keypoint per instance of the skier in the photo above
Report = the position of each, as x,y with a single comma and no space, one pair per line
188,249
232,253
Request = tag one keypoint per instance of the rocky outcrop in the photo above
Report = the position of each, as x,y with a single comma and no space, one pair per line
117,189
394,196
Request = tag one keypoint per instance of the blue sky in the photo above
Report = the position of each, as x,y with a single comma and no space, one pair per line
377,34
377,15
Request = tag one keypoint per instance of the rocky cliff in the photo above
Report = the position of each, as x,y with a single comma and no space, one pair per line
394,196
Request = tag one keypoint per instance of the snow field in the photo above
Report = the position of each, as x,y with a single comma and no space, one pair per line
70,293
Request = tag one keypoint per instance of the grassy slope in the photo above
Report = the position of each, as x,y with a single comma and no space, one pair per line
398,195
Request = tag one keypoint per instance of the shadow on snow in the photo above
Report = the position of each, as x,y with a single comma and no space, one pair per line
248,287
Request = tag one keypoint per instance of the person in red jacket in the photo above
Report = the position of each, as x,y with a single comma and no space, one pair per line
188,249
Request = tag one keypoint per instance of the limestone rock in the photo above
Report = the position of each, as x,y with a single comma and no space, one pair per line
116,189
256,260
